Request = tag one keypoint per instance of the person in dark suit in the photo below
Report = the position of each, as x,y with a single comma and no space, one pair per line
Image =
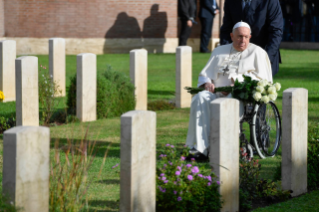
266,22
186,13
207,12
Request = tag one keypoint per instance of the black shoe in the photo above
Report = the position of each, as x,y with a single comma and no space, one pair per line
197,155
207,51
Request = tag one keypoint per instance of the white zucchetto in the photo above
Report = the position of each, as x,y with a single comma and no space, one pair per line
241,24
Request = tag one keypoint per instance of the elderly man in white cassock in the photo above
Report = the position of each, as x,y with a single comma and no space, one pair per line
226,64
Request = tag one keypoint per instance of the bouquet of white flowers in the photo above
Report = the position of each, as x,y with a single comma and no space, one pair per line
266,92
248,91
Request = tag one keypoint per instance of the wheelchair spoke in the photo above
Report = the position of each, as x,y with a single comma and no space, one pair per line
267,129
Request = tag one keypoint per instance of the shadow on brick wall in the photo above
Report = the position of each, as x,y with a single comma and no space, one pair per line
152,37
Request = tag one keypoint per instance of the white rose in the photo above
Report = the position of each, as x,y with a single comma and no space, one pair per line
265,82
262,83
265,99
260,89
257,96
264,92
277,86
272,90
272,97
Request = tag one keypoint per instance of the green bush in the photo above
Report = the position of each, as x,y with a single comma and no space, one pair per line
6,205
48,90
115,94
160,105
313,158
252,188
184,187
277,175
6,123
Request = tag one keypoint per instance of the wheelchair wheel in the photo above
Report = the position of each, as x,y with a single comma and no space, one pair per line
266,129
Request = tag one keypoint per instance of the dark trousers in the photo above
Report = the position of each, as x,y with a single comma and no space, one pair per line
206,33
185,33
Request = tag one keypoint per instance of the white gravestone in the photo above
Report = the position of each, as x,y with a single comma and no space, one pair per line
57,63
7,69
224,150
26,157
138,74
138,161
294,140
27,95
183,76
86,87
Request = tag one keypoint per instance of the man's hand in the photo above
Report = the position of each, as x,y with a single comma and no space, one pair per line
232,85
189,23
216,11
209,87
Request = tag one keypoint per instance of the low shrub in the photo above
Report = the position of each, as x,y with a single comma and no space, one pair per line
253,188
313,158
183,187
48,90
6,123
6,205
160,105
277,175
115,94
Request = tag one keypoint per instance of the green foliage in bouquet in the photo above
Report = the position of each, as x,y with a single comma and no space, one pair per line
247,91
244,90
183,186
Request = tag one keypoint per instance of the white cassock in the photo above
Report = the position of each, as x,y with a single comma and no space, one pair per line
225,64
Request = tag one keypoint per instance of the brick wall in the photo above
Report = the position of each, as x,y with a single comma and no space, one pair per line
1,18
94,19
91,18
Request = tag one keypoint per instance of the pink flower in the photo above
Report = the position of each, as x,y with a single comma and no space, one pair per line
162,174
193,159
175,192
179,199
175,182
189,165
179,168
177,173
209,178
209,183
115,166
182,158
218,182
200,175
190,177
167,145
165,181
195,170
172,146
163,178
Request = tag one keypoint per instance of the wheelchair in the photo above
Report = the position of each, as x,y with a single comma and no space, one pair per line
265,130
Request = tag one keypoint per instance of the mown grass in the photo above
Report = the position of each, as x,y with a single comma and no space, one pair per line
299,69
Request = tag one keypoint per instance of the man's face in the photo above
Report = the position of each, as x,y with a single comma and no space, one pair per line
241,38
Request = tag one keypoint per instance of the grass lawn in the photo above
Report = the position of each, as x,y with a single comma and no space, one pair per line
299,69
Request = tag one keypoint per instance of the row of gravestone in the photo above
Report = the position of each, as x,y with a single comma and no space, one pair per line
26,156
14,77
